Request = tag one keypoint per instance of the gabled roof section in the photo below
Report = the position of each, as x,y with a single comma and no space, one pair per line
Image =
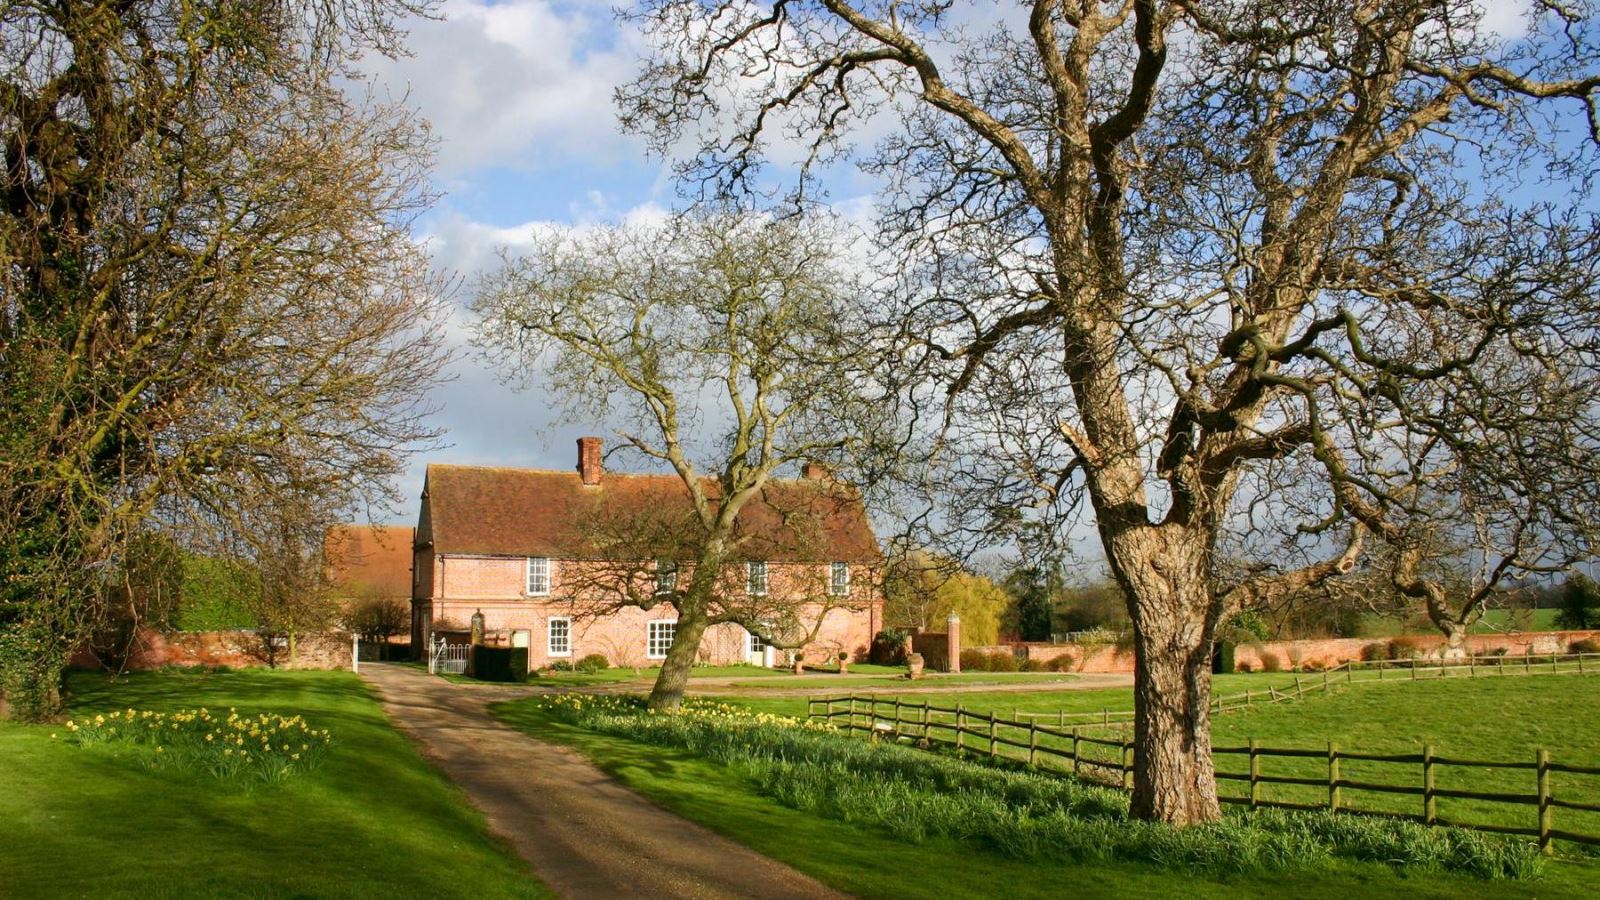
369,561
498,511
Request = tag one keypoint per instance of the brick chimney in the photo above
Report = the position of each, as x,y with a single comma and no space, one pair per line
589,460
815,471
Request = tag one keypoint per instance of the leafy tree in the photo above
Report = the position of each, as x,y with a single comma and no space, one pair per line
1253,273
922,590
377,618
1580,603
1036,591
723,346
211,304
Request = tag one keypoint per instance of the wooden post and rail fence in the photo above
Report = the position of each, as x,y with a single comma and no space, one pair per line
1323,784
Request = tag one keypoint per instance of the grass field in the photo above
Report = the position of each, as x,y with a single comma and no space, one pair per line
868,863
1489,718
1494,621
373,820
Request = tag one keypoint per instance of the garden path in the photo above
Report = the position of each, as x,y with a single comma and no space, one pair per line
583,832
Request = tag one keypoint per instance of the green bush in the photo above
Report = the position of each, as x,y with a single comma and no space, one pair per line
500,663
1271,662
1378,650
914,795
594,662
1222,658
1003,662
1587,645
975,661
1409,647
1063,663
1034,665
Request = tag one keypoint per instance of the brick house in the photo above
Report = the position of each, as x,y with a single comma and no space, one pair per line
538,553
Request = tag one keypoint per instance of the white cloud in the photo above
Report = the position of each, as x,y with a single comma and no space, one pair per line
520,83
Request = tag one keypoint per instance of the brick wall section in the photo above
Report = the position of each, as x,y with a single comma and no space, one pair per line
1320,652
935,649
235,649
1333,651
495,586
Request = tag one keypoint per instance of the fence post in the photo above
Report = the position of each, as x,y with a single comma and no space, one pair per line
1333,776
1105,713
1298,690
1580,663
1349,673
1324,680
1075,762
1061,718
1255,775
1033,741
1502,665
994,748
925,730
1413,670
1472,667
1545,809
850,723
1127,766
1430,804
961,723
897,718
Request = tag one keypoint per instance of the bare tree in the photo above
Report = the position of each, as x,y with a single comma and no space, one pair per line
1168,258
209,296
723,344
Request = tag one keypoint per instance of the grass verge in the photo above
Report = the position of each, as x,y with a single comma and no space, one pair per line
373,819
872,859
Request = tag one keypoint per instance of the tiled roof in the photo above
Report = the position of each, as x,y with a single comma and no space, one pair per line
496,511
369,560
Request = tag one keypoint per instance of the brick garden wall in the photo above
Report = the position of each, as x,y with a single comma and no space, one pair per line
1318,652
235,649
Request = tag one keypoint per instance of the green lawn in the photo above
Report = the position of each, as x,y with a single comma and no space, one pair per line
374,820
895,679
1488,718
869,864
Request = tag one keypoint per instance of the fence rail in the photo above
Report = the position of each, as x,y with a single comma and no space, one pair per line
1110,759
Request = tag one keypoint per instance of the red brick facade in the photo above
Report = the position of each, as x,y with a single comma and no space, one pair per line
496,586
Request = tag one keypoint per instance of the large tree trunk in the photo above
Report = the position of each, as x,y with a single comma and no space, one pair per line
1164,572
674,676
1173,779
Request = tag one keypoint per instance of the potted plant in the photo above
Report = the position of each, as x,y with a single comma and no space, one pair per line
844,662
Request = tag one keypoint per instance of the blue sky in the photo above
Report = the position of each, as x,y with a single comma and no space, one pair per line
518,93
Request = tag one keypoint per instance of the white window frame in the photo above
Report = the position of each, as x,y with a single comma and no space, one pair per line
836,586
666,576
550,636
754,643
528,571
756,586
650,637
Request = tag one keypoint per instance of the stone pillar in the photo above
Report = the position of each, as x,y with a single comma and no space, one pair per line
953,640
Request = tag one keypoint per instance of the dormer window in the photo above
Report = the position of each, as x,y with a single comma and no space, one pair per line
538,576
839,582
666,576
756,577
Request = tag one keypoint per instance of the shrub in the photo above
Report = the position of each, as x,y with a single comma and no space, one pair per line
594,662
1222,661
1063,663
888,648
1270,662
1003,662
1376,651
1587,645
974,661
1244,667
1034,665
500,663
1409,647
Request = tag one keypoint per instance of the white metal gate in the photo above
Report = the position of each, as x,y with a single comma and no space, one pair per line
447,658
